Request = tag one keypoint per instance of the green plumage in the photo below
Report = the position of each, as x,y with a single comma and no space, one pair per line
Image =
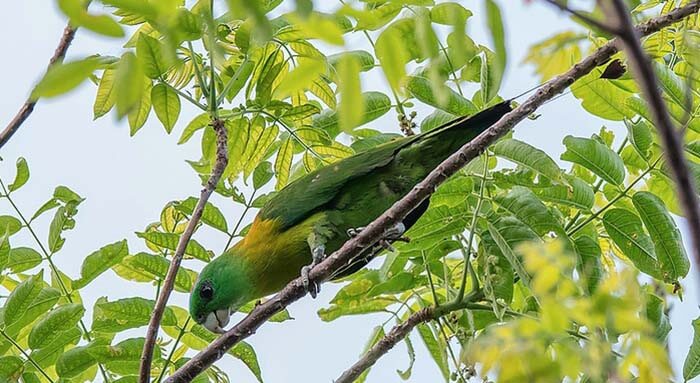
317,210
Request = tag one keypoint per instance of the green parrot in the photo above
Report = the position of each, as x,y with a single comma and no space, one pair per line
314,215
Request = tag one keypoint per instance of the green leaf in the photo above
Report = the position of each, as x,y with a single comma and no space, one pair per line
150,55
490,76
4,249
691,366
9,223
22,259
283,163
527,207
527,155
449,13
58,224
63,77
79,17
672,85
244,352
39,305
123,314
364,58
596,157
211,215
128,84
437,352
138,116
48,354
143,267
10,368
123,357
100,261
510,255
349,110
576,193
166,104
50,327
170,240
21,298
436,119
603,98
21,176
262,174
656,313
354,308
640,135
452,102
376,104
665,235
197,123
390,49
589,265
625,229
300,78
498,62
74,361
105,97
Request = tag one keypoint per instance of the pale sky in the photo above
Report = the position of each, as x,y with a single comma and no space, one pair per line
126,182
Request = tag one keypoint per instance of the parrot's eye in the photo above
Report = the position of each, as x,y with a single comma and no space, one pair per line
206,291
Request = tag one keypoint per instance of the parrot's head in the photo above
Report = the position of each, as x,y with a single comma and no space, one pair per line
222,287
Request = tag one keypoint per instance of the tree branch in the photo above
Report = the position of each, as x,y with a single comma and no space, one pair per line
671,139
583,17
28,107
399,332
295,289
169,282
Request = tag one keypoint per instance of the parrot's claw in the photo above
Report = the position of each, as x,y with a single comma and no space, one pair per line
353,232
318,254
309,285
392,234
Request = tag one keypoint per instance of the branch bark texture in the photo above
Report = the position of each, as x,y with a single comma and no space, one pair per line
169,282
372,233
671,138
28,107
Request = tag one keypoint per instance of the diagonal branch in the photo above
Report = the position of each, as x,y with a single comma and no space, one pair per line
671,138
295,289
169,282
28,107
584,17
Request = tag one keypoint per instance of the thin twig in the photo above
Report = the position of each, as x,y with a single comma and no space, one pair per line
169,282
398,333
28,107
671,139
371,234
585,18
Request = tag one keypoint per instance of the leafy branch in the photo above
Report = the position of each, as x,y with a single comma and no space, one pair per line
169,282
372,233
671,139
26,110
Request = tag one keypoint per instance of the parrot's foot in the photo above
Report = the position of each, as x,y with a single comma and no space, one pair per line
318,254
392,234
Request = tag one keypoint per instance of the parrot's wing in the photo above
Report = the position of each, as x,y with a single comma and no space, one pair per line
303,196
307,194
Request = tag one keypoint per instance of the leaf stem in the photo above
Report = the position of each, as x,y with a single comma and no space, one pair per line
615,199
197,70
472,231
182,332
240,220
29,358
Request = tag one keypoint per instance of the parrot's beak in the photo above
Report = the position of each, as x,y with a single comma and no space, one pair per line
217,320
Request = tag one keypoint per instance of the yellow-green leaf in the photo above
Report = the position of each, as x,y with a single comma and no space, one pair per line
166,104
